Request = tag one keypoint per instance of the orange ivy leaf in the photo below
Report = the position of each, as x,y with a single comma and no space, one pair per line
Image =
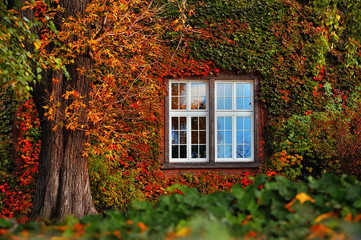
324,216
320,231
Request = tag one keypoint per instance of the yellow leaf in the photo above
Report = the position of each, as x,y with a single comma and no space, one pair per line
303,197
37,45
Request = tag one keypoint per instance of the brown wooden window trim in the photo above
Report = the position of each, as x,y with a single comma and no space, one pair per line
211,153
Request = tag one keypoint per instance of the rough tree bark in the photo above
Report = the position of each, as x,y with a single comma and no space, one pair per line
62,186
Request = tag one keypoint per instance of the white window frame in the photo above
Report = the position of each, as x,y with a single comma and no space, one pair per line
188,113
234,113
211,114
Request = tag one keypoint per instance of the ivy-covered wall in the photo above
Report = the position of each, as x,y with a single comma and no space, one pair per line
307,54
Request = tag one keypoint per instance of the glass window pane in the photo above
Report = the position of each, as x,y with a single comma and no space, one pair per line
247,137
194,151
175,151
194,137
183,89
194,121
220,137
228,151
202,103
202,89
174,87
220,151
202,123
202,151
228,137
247,90
239,137
194,87
220,103
194,103
175,137
174,123
247,103
183,151
239,153
239,103
247,151
247,123
183,123
239,123
239,89
202,137
228,123
228,89
175,103
220,123
228,103
220,89
183,137
183,103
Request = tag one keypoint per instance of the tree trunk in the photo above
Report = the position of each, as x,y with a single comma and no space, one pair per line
62,186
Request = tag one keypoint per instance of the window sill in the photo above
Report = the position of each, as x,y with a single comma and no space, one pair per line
210,165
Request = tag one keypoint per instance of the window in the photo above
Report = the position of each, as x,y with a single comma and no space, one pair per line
211,122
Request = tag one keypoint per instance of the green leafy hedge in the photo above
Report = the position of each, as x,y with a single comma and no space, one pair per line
274,208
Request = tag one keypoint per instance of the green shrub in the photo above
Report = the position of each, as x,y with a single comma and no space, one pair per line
274,208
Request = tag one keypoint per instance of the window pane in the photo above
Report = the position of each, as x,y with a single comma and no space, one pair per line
228,89
220,151
183,137
202,103
220,137
239,90
220,90
239,137
220,103
228,137
228,103
183,103
247,103
247,137
220,123
247,151
194,121
239,103
202,137
174,87
202,151
228,123
247,90
202,123
175,151
194,89
183,123
247,123
175,137
174,123
239,153
228,151
175,104
194,137
183,151
182,89
202,89
194,151
239,123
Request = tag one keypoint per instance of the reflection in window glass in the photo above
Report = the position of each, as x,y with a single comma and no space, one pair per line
178,95
224,96
243,137
198,134
198,96
224,137
179,137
